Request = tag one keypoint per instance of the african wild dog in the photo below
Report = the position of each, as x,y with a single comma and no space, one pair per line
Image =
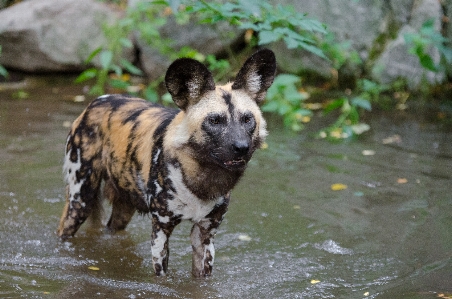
173,164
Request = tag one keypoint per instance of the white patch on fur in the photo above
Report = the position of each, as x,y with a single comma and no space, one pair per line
70,169
254,82
104,97
185,203
162,219
211,249
158,188
193,88
157,249
157,154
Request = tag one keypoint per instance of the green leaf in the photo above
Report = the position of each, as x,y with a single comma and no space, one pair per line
427,62
353,116
286,79
125,42
361,103
336,104
86,75
3,72
267,37
106,58
92,55
119,84
314,50
270,106
150,94
131,68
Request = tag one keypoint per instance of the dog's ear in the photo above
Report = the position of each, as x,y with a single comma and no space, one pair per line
257,74
187,80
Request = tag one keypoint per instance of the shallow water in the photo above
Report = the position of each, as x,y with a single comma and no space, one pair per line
286,235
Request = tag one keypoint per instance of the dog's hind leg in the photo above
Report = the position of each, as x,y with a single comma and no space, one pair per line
82,191
122,207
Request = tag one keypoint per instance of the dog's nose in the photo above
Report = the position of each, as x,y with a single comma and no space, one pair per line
240,147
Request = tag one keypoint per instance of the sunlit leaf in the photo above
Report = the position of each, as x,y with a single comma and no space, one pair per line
244,237
93,54
333,105
368,152
106,58
267,37
3,71
86,75
79,98
130,67
362,103
360,128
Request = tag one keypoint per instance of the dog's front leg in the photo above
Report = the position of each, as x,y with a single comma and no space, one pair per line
202,237
203,249
161,231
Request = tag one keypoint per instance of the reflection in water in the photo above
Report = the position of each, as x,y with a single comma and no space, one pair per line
286,235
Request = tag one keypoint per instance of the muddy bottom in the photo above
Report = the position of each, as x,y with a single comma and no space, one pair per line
287,234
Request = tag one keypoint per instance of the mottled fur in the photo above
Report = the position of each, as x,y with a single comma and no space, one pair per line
173,164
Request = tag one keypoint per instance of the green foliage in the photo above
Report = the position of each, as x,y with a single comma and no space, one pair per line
272,23
422,42
269,23
284,99
339,53
3,71
348,124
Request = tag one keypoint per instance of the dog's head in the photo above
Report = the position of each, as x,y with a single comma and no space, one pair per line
221,125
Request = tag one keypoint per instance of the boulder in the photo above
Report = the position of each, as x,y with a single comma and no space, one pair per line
396,62
52,35
375,30
356,21
206,39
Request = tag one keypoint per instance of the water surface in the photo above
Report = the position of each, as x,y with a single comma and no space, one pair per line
286,235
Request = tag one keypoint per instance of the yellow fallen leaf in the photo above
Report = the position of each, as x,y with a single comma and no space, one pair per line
314,281
296,207
264,145
338,187
93,268
366,294
402,181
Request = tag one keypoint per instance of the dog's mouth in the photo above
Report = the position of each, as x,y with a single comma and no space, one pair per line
234,164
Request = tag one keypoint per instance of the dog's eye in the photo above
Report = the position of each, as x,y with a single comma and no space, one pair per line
214,120
247,119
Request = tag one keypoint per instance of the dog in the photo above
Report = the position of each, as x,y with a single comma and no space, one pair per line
174,164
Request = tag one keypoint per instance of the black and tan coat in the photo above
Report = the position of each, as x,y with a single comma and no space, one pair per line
173,164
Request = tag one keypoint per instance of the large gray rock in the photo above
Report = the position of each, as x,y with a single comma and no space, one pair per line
356,21
375,30
396,62
206,39
52,35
